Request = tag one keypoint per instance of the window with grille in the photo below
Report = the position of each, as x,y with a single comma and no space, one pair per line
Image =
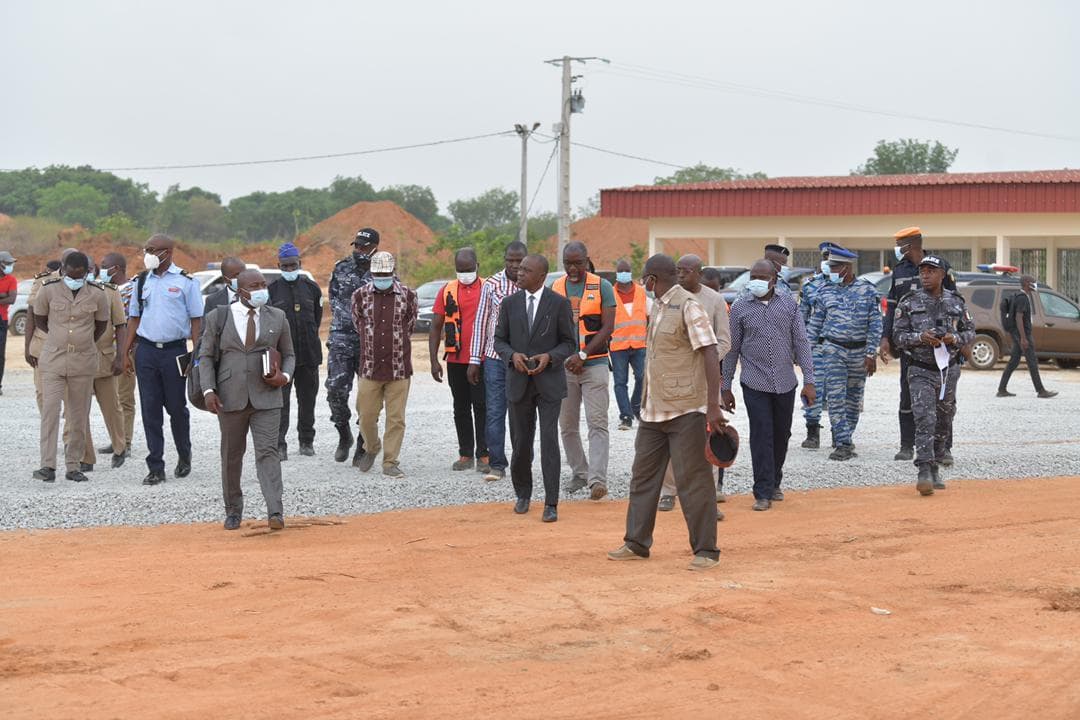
1031,262
1068,271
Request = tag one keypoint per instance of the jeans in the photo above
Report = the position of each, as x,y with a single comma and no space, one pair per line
621,363
495,412
770,430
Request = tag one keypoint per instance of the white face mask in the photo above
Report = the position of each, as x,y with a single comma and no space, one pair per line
151,261
467,278
824,267
899,252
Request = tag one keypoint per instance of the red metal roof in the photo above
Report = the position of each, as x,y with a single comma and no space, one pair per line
1013,192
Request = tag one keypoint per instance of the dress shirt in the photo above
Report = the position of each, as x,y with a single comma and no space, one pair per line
768,336
496,288
170,301
536,303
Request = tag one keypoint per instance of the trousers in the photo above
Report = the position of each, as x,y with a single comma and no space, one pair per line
74,393
622,362
470,417
305,380
679,441
523,416
125,386
162,389
590,388
1014,362
372,396
263,425
844,382
907,419
933,414
495,413
3,348
812,413
770,429
342,359
108,400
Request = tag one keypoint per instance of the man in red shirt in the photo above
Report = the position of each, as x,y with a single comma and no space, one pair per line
9,291
455,314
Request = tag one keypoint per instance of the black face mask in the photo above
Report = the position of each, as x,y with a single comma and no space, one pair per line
362,261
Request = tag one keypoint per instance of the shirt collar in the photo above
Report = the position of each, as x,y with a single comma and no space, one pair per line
666,300
241,309
536,294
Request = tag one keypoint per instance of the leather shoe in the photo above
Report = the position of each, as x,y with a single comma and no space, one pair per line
906,453
183,467
521,506
1047,393
154,477
762,504
1005,393
232,522
935,476
86,467
276,522
76,476
364,461
107,450
118,460
666,504
45,474
777,495
307,449
550,514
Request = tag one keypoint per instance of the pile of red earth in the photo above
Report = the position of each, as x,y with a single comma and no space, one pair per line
611,238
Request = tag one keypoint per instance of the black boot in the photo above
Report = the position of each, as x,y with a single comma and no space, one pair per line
907,437
925,483
345,443
935,475
813,436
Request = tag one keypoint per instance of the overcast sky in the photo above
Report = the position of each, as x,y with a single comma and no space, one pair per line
133,83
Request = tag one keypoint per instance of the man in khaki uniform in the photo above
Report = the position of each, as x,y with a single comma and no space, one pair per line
110,368
35,336
113,269
74,314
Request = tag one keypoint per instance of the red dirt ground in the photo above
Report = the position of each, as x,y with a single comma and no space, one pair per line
473,612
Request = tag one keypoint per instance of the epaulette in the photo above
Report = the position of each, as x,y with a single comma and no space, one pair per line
185,274
42,274
110,285
50,281
95,283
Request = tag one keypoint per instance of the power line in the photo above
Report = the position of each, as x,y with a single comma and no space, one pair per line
641,72
620,154
540,184
327,156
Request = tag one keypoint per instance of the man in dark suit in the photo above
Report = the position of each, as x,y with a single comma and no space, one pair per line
231,267
534,336
242,396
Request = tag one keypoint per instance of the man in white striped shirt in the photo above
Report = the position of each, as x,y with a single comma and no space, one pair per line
484,365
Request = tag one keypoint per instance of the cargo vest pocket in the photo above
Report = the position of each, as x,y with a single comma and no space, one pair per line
677,387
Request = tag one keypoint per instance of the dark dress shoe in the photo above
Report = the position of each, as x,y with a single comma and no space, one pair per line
364,461
76,476
118,460
86,467
183,467
550,514
283,452
45,474
232,522
762,504
107,450
154,477
777,495
307,449
276,522
1048,393
521,506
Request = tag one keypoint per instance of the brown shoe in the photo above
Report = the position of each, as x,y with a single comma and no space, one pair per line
701,562
462,463
599,490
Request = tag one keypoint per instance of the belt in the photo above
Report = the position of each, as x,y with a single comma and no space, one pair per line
928,366
849,344
165,345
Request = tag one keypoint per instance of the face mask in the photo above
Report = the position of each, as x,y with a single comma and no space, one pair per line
623,277
8,269
104,276
785,271
290,275
363,261
151,261
382,283
74,284
899,252
90,277
824,267
1034,286
466,278
835,278
232,284
758,288
258,298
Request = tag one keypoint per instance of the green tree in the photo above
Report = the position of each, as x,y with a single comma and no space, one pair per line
72,203
908,156
122,228
494,208
637,258
706,173
192,214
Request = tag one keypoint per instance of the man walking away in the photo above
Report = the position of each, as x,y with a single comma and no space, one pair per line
533,337
485,366
682,380
1018,323
384,314
453,324
592,300
166,309
231,374
766,333
301,300
632,307
932,325
9,292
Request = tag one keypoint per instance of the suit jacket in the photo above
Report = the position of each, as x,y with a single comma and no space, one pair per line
302,303
553,332
234,371
215,299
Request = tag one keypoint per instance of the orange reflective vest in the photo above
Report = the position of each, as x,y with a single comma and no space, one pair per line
452,324
630,329
590,310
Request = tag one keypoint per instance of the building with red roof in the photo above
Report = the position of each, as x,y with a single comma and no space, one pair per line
1027,219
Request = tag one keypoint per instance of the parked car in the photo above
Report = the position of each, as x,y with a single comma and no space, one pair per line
211,280
796,277
1055,321
18,310
425,301
727,272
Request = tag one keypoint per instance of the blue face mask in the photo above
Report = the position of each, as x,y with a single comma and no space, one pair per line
624,277
104,276
758,288
74,284
899,252
824,267
258,298
232,284
290,275
90,277
835,278
382,283
785,271
8,269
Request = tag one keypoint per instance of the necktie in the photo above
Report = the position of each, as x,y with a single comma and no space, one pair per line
532,310
249,341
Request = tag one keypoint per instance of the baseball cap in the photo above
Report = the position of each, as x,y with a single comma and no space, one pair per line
934,261
6,257
367,236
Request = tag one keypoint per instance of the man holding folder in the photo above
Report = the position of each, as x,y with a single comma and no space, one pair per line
245,358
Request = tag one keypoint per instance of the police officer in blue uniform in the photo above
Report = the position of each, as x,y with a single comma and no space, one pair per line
905,278
166,309
343,345
812,412
846,326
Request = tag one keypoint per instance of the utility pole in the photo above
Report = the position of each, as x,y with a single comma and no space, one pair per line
571,103
524,131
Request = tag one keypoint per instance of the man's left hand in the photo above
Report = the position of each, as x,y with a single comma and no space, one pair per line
542,361
871,365
809,393
714,416
436,370
117,366
574,364
277,380
949,339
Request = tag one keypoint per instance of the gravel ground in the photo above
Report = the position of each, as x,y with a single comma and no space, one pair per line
994,438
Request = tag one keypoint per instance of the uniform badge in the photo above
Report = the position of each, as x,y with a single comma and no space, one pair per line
296,308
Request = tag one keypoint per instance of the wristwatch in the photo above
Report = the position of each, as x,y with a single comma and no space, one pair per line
581,354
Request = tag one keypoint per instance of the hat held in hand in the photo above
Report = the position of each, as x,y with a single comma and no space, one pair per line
721,445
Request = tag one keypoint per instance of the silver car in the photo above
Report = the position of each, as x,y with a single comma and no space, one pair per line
18,310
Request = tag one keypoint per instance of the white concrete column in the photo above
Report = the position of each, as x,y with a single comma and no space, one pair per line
653,242
976,251
1051,263
712,250
1002,254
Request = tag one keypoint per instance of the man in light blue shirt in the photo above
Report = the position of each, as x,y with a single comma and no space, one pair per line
166,309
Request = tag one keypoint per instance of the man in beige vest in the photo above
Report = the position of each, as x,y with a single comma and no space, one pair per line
74,314
688,270
682,391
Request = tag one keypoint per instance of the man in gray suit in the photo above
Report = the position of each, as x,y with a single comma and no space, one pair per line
237,391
